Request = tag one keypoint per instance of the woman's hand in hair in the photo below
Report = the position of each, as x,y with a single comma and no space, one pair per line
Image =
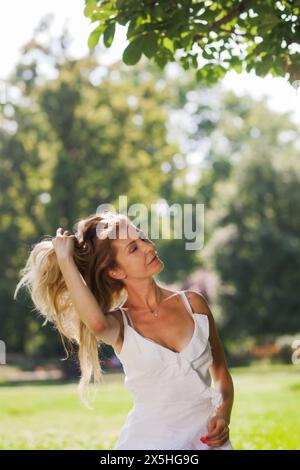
63,244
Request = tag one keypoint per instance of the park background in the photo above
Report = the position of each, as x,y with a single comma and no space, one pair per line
79,128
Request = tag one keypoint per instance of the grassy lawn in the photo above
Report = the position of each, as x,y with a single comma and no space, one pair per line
265,413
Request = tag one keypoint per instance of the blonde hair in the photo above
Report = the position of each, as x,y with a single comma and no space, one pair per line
94,254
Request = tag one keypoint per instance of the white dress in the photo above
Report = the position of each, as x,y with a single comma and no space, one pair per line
172,393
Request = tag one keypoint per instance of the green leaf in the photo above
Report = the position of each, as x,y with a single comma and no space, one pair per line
158,11
133,52
88,10
168,44
206,55
249,66
108,35
185,62
210,73
195,61
236,63
161,60
94,36
149,44
260,48
255,20
263,67
122,20
209,15
267,22
131,27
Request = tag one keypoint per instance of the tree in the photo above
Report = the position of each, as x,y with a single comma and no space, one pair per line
254,245
210,36
68,145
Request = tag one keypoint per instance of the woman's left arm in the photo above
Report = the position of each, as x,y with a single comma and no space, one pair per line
224,379
219,368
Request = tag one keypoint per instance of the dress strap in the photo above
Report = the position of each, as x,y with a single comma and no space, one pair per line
128,319
186,302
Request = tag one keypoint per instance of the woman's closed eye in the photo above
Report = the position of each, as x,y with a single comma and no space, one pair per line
142,237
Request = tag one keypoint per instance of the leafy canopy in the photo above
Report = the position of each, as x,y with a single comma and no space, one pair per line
210,36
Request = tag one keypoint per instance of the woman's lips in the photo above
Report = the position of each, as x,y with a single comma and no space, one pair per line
154,259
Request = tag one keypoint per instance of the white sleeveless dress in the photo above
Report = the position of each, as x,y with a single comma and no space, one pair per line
172,393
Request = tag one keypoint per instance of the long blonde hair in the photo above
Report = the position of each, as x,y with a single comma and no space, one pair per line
94,254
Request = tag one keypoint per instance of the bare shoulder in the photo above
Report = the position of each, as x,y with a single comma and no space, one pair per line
198,302
114,331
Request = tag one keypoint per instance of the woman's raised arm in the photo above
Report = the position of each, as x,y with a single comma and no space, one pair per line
82,297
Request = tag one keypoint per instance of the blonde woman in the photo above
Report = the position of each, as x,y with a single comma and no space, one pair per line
98,286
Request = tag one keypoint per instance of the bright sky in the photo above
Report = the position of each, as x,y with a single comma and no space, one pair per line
19,18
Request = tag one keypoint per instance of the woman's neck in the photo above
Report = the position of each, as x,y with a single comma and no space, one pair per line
149,301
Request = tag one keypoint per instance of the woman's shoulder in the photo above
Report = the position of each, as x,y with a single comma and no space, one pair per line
197,301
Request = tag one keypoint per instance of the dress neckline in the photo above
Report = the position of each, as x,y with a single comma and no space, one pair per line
176,353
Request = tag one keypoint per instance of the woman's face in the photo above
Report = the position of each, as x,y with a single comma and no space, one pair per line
135,254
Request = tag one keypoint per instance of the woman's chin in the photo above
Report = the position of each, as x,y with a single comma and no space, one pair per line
159,266
156,266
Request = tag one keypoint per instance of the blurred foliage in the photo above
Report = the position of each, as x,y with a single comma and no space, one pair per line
76,134
209,36
67,146
255,245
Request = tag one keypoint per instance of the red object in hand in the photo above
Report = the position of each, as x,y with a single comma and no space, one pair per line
204,440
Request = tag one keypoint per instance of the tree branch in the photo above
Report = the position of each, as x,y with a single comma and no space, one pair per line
244,5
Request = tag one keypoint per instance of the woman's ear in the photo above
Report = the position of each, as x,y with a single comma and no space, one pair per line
116,274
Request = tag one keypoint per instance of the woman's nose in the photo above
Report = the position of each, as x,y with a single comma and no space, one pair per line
150,249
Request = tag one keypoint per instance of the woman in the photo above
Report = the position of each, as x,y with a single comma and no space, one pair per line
167,341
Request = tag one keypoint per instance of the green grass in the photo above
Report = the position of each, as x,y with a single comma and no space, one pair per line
265,414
